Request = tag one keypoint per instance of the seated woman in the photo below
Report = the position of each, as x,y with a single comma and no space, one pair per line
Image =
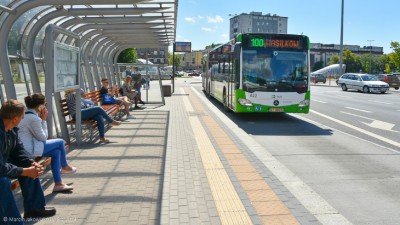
90,112
129,91
33,135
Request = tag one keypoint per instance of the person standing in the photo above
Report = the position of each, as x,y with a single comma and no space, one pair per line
15,162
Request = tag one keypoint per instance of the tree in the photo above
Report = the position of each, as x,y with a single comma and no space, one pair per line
395,55
352,62
318,65
178,60
129,55
212,46
334,60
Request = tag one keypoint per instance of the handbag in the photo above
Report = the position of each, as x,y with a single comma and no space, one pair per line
106,99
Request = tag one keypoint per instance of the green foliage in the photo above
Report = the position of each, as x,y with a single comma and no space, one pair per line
395,55
353,64
178,59
334,60
212,46
129,55
318,65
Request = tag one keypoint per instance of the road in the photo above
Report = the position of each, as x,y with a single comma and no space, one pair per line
346,149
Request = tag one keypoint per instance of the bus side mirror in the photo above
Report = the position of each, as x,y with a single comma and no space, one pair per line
236,51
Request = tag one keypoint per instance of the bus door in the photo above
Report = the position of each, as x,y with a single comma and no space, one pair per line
231,83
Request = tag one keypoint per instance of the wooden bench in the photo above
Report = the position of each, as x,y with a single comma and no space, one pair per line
44,161
113,110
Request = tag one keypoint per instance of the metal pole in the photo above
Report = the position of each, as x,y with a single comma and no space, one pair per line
341,39
173,68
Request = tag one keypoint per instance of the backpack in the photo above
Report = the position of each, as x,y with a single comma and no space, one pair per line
121,91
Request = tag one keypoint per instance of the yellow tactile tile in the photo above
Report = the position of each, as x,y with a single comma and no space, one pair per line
229,206
267,205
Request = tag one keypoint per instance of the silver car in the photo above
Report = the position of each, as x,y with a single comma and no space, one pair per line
362,82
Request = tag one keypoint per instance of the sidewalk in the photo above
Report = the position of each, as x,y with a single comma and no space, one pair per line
175,164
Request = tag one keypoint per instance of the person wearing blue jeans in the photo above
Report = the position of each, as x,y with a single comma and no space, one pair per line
90,112
15,162
33,134
98,114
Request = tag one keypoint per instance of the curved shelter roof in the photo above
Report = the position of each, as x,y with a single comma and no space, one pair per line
105,27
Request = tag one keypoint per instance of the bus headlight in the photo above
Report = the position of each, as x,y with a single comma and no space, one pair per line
245,102
304,103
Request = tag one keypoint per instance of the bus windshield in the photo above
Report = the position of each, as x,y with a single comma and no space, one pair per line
274,70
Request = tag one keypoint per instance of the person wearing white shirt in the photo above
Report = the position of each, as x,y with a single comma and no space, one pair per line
33,134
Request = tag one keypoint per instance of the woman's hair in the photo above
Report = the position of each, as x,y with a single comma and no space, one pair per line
34,100
11,109
128,78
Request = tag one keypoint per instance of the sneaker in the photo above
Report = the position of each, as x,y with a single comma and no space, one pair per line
62,188
142,102
72,171
130,117
137,107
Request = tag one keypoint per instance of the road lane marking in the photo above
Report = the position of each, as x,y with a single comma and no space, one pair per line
375,123
387,103
361,110
358,129
351,114
318,101
342,96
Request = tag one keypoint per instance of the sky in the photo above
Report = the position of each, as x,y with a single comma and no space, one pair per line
204,22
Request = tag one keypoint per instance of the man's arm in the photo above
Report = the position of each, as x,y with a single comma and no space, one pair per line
8,169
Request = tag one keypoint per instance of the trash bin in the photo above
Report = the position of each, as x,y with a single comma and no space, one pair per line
167,90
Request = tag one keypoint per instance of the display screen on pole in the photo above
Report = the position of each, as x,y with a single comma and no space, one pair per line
183,46
66,67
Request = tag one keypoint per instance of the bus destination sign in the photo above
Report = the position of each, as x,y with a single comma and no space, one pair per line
296,42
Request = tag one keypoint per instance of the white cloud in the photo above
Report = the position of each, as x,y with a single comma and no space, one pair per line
190,19
207,29
216,19
224,35
200,17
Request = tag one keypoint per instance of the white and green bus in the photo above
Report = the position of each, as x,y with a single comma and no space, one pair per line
260,73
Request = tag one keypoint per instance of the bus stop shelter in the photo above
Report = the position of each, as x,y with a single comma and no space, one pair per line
98,30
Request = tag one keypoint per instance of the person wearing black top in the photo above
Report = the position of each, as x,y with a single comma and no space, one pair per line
15,162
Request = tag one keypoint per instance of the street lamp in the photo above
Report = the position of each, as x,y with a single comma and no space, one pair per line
341,40
370,55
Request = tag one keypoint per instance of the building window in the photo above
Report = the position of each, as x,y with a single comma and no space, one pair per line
155,60
155,52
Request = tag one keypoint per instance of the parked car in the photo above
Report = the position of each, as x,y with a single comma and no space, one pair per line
194,73
317,77
390,79
362,82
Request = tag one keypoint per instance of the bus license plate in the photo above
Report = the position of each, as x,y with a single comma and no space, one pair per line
275,110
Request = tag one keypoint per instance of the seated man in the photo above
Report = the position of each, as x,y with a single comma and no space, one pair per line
16,163
105,90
